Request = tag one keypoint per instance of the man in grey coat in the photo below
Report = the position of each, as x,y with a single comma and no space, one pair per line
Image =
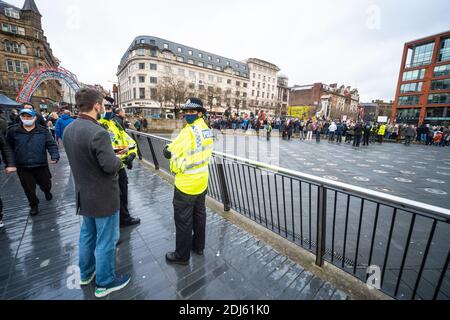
95,170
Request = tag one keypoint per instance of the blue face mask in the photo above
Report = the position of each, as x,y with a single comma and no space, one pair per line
108,116
191,118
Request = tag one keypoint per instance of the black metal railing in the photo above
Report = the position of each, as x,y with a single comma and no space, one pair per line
350,227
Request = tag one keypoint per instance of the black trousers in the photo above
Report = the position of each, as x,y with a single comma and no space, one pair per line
366,139
30,177
123,185
190,223
1,209
357,141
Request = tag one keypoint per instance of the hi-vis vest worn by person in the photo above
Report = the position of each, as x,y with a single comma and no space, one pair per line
382,130
191,154
119,138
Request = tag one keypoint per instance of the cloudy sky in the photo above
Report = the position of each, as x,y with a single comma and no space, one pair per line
352,42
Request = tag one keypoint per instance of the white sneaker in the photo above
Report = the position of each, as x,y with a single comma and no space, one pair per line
1,224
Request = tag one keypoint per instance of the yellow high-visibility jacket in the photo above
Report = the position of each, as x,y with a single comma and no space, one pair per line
382,130
191,154
119,138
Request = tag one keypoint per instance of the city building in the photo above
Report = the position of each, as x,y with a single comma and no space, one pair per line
283,92
423,90
156,76
325,101
377,108
24,47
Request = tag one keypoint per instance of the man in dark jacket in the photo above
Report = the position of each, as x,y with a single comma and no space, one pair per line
358,134
95,169
8,159
3,124
30,143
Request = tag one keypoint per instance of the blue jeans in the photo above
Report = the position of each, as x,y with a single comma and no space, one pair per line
98,239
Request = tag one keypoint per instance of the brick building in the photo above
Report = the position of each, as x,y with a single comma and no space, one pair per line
330,101
24,47
423,91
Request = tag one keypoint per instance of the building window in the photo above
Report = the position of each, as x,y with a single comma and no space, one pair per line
153,52
442,71
201,64
152,42
190,52
210,78
238,83
12,13
210,66
209,58
15,47
411,87
444,52
180,59
10,65
25,68
168,55
141,66
7,46
408,101
440,84
229,81
218,60
6,27
200,55
153,80
219,79
18,66
181,72
134,80
192,74
141,93
253,93
153,66
422,55
180,50
166,46
218,68
439,98
23,49
202,76
141,52
414,75
141,79
190,61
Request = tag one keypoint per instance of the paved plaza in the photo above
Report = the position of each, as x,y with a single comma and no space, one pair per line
420,173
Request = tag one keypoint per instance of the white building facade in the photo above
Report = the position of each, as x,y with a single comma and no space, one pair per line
156,76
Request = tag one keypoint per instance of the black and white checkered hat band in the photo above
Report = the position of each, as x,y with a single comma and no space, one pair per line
192,106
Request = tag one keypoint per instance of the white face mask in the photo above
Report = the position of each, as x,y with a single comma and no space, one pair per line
28,123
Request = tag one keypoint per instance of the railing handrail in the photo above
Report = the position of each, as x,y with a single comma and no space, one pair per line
375,195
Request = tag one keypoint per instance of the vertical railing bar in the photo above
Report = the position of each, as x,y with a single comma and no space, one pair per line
301,211
230,183
441,278
424,260
257,196
284,206
251,191
359,235
408,241
271,206
321,224
137,145
374,234
345,232
278,210
235,183
242,190
388,246
264,202
246,193
152,150
310,216
334,227
292,211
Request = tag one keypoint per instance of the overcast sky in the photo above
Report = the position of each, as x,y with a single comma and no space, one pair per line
352,42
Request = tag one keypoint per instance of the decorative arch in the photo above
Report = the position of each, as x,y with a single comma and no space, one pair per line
39,75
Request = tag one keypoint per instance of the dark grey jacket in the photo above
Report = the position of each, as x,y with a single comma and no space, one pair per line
95,168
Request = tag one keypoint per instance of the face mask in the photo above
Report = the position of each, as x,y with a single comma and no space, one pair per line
28,123
107,115
191,118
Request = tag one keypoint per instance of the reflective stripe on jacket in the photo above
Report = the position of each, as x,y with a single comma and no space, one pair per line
191,154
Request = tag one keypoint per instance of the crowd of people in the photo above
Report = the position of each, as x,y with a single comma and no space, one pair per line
355,132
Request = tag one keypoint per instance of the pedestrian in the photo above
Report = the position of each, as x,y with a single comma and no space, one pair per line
189,156
310,128
126,149
358,134
269,130
62,124
339,132
95,169
3,124
30,143
13,117
367,132
138,125
332,131
409,135
8,159
145,124
381,133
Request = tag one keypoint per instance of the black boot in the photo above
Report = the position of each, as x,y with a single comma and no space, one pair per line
172,259
130,222
34,211
48,196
